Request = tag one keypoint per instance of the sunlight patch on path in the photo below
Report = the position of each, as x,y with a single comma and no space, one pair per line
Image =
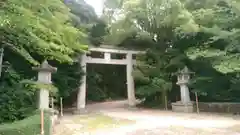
88,124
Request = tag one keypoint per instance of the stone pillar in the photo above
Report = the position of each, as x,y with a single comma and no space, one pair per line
185,97
44,76
130,81
81,99
185,105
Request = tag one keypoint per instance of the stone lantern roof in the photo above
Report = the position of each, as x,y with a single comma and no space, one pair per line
184,71
45,67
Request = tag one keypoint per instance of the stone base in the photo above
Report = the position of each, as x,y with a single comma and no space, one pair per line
180,107
81,111
132,108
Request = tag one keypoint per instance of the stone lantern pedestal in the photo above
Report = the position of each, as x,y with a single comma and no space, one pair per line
44,76
185,105
180,107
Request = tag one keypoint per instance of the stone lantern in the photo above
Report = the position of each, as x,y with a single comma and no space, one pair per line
185,105
44,76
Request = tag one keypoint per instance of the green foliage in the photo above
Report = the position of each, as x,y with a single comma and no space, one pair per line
28,126
204,35
33,31
100,84
222,27
67,80
157,18
98,33
17,100
153,76
44,30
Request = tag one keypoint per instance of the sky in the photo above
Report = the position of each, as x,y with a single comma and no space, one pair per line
97,5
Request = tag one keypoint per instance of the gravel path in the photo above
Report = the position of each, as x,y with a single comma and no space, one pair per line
152,122
185,131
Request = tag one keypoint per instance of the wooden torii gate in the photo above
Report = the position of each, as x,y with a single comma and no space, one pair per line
108,51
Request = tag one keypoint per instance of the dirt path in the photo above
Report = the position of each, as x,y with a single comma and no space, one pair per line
152,122
169,123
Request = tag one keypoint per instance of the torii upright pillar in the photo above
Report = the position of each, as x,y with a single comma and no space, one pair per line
81,98
130,81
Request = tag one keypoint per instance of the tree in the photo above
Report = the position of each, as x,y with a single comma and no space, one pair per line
182,32
220,21
32,31
81,13
44,30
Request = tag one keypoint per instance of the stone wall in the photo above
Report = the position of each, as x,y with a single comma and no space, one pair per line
223,107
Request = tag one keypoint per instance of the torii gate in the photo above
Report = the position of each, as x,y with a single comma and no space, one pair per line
107,50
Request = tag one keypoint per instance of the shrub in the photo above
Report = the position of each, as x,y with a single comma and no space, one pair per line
28,126
17,100
16,104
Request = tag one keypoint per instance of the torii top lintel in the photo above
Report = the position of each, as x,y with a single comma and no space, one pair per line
112,49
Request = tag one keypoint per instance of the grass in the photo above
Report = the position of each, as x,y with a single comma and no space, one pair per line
28,126
94,122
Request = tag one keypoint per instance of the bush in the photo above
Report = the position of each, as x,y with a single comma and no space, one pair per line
28,126
17,100
16,104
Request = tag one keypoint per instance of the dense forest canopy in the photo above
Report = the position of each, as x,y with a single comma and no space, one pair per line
203,35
